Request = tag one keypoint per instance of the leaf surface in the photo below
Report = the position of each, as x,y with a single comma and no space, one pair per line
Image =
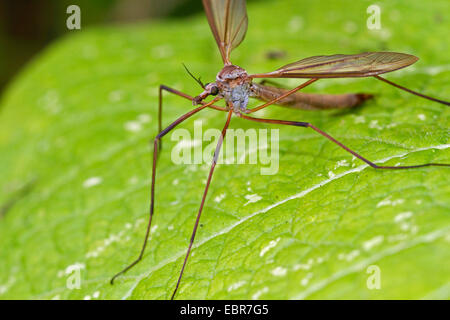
75,133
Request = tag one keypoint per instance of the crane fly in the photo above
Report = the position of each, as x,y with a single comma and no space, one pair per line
228,22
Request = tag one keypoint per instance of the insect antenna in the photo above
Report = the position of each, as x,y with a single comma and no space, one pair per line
193,77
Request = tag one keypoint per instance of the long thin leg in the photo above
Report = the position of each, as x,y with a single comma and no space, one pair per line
412,92
180,94
152,193
307,83
272,83
211,171
370,163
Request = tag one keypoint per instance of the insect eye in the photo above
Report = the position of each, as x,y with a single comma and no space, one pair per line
214,91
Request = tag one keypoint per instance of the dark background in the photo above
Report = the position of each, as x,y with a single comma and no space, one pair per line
27,26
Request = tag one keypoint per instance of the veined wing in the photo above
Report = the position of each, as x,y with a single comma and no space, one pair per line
343,65
228,22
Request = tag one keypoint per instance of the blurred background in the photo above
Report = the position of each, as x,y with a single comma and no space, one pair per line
27,26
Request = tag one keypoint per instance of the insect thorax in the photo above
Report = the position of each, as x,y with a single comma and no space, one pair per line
234,86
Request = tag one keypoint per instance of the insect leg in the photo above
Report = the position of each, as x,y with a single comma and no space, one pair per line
412,92
272,83
287,93
180,94
211,171
370,163
152,194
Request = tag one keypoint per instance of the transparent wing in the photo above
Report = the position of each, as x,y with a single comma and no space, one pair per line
343,65
228,22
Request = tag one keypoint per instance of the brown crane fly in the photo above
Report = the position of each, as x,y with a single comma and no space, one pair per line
228,22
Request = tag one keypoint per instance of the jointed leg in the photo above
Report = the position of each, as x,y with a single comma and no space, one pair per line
305,84
272,83
412,92
152,194
178,93
370,163
211,171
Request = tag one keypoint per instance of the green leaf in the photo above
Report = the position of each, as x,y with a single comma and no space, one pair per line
75,132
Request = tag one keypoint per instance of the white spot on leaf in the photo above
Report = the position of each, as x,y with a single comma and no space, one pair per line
236,285
374,125
279,272
304,282
375,241
92,181
219,198
133,126
359,119
403,216
271,245
144,118
115,96
258,293
348,256
341,163
295,24
252,198
5,287
388,201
